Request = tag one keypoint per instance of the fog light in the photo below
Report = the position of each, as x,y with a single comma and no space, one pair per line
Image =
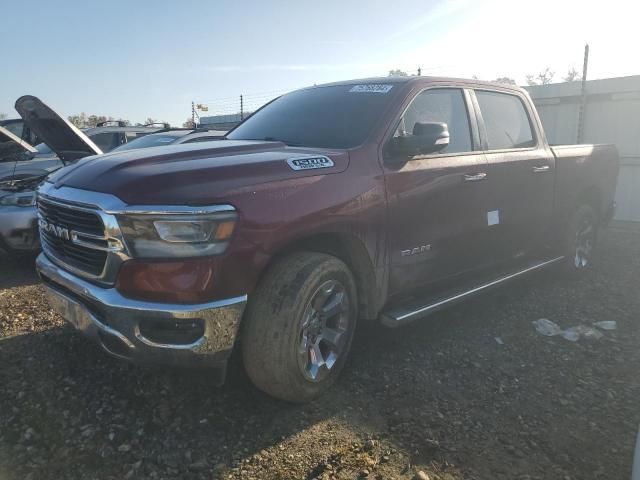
172,333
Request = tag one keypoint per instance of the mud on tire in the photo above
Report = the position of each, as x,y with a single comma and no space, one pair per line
299,325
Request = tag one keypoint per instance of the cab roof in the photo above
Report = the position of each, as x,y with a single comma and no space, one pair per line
421,80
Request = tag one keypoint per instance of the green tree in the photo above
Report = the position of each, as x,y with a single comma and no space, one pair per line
398,73
93,120
79,120
189,123
3,116
83,120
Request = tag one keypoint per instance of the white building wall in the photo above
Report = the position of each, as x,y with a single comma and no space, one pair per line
612,115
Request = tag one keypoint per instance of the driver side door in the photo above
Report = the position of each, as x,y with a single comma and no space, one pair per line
437,202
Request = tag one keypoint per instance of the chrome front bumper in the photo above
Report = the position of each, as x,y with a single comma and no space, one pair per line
115,321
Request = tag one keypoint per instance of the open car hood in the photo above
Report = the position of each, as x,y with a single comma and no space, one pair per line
59,134
12,147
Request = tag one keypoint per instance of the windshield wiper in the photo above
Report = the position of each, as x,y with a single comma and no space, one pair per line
20,183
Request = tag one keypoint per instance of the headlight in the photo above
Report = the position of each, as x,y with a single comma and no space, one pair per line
177,235
20,199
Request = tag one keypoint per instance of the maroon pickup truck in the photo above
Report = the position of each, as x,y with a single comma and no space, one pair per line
374,200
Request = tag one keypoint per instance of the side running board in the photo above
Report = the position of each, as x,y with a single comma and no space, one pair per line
398,316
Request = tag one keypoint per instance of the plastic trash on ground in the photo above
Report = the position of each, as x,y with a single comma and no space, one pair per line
573,334
546,327
606,325
550,329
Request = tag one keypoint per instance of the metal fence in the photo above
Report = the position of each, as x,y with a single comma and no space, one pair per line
225,113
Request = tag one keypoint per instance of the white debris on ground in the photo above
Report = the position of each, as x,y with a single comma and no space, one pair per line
573,334
606,325
550,329
546,327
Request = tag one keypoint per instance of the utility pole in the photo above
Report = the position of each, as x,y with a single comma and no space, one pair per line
583,95
241,108
193,114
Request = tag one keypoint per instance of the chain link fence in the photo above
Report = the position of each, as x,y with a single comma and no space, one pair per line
225,113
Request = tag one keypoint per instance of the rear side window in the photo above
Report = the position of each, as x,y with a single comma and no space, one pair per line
106,141
506,121
15,128
440,105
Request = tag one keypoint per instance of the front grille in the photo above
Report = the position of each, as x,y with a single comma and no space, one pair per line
87,259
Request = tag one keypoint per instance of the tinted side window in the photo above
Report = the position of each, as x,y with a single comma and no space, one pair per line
106,141
15,128
505,120
131,136
441,105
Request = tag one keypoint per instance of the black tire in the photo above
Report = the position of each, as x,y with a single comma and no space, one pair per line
274,334
581,238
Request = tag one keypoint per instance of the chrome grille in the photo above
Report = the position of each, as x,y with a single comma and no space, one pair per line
89,254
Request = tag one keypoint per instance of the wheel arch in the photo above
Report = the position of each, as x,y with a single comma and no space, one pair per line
591,196
353,252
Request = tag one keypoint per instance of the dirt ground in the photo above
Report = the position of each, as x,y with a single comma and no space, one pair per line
443,397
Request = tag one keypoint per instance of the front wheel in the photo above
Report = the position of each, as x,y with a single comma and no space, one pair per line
299,326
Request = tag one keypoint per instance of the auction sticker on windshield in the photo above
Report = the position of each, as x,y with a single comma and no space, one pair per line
371,88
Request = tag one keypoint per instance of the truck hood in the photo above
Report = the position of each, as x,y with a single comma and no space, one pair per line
64,138
198,173
12,146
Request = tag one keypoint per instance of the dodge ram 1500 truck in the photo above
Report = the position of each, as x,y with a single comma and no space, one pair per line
379,199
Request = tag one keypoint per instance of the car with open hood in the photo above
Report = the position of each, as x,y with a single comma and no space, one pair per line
23,166
20,130
176,136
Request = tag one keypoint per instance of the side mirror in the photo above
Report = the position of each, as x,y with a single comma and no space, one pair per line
427,138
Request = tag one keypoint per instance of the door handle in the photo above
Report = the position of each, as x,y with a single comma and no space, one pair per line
541,169
475,177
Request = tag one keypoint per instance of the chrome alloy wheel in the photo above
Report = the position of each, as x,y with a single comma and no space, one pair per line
585,240
323,330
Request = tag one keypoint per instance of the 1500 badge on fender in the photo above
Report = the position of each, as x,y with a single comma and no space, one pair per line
307,163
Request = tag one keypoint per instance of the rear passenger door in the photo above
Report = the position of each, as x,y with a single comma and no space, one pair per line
436,201
520,173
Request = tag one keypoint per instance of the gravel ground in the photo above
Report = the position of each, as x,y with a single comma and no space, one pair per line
441,399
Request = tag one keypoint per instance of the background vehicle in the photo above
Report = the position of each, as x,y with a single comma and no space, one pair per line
19,175
173,137
20,130
379,199
18,230
45,160
13,148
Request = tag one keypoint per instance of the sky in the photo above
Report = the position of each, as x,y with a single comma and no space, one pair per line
140,59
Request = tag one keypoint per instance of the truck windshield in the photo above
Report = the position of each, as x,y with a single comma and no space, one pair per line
340,116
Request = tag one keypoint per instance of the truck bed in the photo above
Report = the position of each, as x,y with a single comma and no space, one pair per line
585,168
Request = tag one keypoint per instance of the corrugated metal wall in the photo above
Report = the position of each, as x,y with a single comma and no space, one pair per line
612,115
